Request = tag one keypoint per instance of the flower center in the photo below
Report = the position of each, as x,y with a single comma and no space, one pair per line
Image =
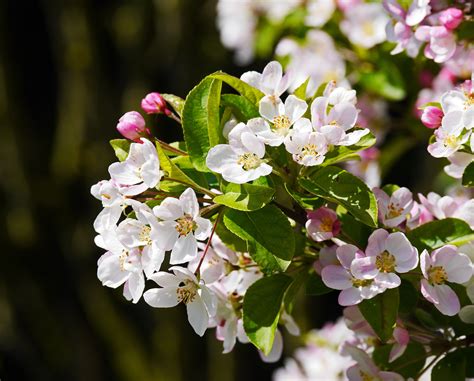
187,292
394,210
122,259
469,100
437,275
368,28
145,235
365,377
309,150
361,282
451,141
281,123
185,225
385,262
249,161
326,224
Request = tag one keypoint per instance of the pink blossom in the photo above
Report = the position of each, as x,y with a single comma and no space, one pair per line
445,264
346,5
327,256
354,290
441,42
386,255
154,103
451,18
132,126
432,117
323,224
394,209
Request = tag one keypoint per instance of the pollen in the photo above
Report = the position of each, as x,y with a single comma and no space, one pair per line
281,123
309,150
451,141
361,282
366,377
394,210
249,161
185,225
144,235
368,28
469,100
437,275
122,259
187,293
326,224
385,262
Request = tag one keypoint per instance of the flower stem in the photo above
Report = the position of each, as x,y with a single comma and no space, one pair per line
175,117
195,186
170,148
208,243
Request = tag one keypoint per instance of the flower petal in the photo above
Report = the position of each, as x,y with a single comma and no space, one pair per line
161,297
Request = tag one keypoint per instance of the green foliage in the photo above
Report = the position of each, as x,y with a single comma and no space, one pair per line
316,286
386,81
305,201
251,93
452,367
339,186
408,364
200,121
230,239
261,309
408,297
300,91
468,175
435,234
246,197
121,148
381,313
358,232
241,107
343,153
175,102
269,236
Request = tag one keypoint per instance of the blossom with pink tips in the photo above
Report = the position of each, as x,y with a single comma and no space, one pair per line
394,209
323,224
386,255
441,42
432,116
445,264
353,289
154,103
132,126
451,18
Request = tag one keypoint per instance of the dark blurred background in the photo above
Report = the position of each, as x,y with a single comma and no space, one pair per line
68,70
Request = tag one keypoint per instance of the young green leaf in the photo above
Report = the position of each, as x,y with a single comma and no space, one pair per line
175,102
434,234
241,107
305,201
452,367
246,197
261,309
268,233
339,186
381,313
201,121
343,153
230,239
468,176
300,91
249,92
121,148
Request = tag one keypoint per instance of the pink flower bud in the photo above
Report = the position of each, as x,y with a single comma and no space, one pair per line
451,18
432,117
154,103
132,126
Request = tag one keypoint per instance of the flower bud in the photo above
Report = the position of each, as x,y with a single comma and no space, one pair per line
432,117
132,126
154,103
451,18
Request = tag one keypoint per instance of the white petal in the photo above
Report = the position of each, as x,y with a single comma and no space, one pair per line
161,297
184,250
197,315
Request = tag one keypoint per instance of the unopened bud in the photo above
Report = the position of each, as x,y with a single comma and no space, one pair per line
132,126
451,18
432,117
154,103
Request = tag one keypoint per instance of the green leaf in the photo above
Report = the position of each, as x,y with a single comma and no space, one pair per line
251,93
452,367
408,297
294,288
300,91
385,81
121,148
390,188
172,169
430,104
343,153
245,197
408,364
269,236
469,354
230,239
241,107
201,121
435,234
305,201
381,313
468,176
175,102
316,286
352,228
261,309
337,185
